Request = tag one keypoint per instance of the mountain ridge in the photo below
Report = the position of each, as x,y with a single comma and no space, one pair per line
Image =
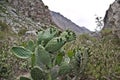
65,23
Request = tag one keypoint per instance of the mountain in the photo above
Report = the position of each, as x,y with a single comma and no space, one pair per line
65,23
25,14
24,17
112,18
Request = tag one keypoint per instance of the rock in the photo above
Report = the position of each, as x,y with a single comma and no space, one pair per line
25,14
112,18
31,33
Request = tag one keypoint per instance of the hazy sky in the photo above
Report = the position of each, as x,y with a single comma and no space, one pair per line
81,12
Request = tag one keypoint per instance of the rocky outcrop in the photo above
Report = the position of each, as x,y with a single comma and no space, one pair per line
65,23
34,9
27,15
112,18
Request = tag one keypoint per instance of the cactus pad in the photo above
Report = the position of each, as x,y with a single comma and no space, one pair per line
24,78
46,35
55,44
42,56
22,52
37,74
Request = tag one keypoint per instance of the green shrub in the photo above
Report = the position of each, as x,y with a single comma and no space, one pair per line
104,60
106,32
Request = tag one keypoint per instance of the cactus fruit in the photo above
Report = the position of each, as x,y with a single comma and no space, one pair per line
68,35
37,73
42,57
46,35
55,44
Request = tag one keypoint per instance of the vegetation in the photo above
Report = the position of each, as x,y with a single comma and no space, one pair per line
49,61
7,60
104,60
60,56
57,55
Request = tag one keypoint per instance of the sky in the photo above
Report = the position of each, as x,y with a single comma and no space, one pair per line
81,12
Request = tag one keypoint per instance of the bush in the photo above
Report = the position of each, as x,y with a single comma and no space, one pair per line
104,60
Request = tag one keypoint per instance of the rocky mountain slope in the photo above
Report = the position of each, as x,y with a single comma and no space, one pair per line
30,15
112,18
65,23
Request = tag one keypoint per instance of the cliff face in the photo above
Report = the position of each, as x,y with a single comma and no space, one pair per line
65,23
112,18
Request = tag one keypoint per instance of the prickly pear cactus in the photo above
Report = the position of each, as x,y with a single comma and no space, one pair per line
65,68
68,35
51,66
21,52
25,78
54,72
55,44
80,60
37,74
42,57
46,35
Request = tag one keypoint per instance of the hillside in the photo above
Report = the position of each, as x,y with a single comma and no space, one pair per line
65,23
31,15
